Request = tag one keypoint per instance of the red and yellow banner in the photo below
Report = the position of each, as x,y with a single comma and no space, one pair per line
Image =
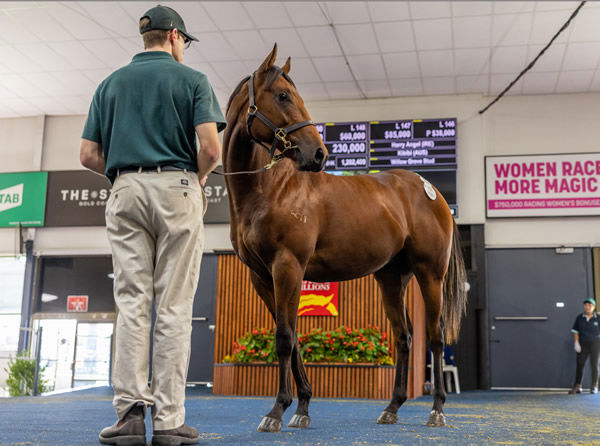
318,299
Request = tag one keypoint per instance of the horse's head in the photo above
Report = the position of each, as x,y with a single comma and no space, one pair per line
282,118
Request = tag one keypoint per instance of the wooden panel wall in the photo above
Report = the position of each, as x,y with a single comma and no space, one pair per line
239,310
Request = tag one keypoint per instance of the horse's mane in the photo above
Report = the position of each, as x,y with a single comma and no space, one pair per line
235,92
274,73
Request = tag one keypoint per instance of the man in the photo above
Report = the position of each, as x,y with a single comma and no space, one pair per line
586,330
141,133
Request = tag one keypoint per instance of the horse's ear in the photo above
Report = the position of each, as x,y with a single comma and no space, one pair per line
270,60
287,65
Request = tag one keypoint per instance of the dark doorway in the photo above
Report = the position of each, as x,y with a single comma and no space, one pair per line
534,297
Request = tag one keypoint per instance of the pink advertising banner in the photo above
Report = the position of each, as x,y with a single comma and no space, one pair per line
543,185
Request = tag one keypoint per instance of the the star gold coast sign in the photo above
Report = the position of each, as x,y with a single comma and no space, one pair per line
318,299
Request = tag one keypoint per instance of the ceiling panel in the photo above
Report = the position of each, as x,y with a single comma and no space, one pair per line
540,83
305,13
357,39
471,32
347,12
54,54
375,88
498,82
471,84
228,15
333,69
401,65
288,41
470,8
343,90
436,63
77,55
551,60
320,41
43,57
574,81
439,85
395,36
312,91
304,71
429,10
585,26
546,24
37,22
266,15
214,47
367,67
509,59
248,44
471,61
78,23
581,56
111,17
407,87
433,34
388,11
511,29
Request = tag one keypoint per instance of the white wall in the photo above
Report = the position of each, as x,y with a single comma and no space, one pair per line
515,125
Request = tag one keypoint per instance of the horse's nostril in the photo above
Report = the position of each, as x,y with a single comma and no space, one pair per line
319,155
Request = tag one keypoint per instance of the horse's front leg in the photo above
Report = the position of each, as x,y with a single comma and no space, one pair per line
287,281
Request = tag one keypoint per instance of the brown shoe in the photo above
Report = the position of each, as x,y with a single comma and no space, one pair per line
128,431
184,434
576,389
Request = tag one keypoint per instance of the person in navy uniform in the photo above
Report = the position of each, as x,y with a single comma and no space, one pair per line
586,331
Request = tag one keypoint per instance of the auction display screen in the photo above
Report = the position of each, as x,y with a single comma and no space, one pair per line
426,146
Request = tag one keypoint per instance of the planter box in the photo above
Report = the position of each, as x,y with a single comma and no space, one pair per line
327,380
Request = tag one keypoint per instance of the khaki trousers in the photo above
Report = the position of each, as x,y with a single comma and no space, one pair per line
156,233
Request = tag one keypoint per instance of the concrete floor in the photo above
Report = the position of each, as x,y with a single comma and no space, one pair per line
474,418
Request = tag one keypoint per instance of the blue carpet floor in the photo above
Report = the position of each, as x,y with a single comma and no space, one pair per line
474,418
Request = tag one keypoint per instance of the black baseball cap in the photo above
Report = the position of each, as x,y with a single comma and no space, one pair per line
163,17
590,300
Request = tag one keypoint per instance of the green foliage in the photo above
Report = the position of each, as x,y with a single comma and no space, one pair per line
21,376
340,345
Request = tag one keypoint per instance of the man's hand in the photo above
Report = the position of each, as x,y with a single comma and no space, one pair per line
577,347
91,156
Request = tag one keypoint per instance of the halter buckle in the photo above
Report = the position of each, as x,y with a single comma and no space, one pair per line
280,134
252,109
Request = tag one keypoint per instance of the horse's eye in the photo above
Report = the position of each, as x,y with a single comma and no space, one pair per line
283,97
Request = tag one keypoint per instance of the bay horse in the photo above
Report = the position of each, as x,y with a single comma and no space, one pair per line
290,223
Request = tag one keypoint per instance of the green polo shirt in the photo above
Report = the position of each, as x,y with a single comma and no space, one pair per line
145,113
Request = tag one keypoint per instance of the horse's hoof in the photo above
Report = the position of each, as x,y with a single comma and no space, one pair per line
387,418
436,419
269,424
300,421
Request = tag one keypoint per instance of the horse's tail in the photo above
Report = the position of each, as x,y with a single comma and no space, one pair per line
455,292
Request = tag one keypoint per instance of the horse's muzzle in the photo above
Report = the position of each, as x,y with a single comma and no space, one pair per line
315,164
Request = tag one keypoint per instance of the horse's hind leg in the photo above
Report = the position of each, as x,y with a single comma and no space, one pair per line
393,285
431,288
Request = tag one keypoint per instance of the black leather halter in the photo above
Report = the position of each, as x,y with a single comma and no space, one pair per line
280,134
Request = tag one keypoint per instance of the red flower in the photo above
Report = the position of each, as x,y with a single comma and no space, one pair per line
243,348
255,331
252,351
328,335
309,350
264,331
355,343
384,335
333,348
